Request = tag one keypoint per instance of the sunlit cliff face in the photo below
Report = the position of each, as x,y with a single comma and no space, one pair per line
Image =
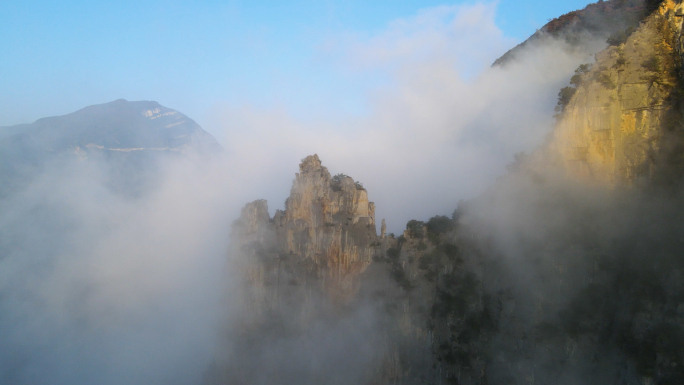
615,128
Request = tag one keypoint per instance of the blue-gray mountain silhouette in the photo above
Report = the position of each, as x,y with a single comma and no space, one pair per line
129,137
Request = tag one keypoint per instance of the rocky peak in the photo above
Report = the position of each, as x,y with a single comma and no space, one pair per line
312,164
318,199
325,236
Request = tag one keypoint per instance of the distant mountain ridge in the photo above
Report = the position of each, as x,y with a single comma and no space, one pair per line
118,125
130,137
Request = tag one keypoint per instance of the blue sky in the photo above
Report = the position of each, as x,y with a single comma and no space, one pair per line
201,55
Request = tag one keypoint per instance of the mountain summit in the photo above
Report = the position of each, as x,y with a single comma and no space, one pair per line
116,126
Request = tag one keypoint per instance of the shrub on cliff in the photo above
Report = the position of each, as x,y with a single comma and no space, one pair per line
576,79
415,228
439,224
564,97
336,183
652,64
620,37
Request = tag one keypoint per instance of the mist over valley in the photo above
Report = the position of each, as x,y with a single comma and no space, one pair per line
497,212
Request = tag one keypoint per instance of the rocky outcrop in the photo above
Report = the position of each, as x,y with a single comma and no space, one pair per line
322,240
613,129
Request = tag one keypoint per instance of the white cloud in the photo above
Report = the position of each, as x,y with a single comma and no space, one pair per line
461,36
441,130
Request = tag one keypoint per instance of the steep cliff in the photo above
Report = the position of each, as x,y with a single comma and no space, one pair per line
619,124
